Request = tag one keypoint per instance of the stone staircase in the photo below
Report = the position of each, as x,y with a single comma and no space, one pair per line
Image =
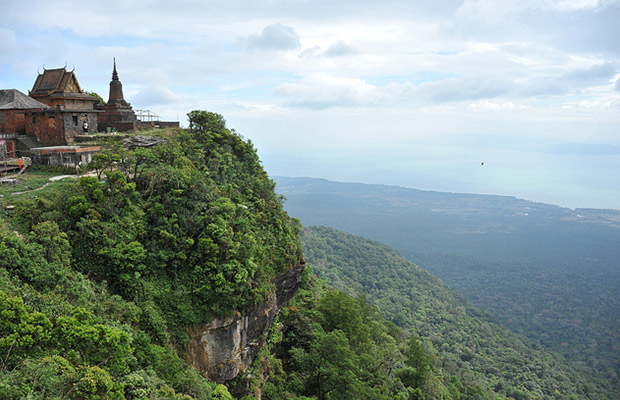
25,143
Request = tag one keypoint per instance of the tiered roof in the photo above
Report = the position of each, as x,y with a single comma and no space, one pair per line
57,83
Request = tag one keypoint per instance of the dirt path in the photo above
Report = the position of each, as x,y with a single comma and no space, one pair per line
53,179
31,190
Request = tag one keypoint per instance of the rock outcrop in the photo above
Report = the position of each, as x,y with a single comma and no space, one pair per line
223,348
133,142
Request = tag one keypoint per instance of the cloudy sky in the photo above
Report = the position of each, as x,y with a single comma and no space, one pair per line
414,93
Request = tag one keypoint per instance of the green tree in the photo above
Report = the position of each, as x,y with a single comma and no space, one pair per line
21,332
54,241
330,367
99,101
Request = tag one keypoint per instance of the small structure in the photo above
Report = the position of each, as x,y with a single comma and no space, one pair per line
117,114
13,107
149,120
71,110
68,156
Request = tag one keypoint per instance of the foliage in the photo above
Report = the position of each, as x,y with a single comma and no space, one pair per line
101,276
464,338
99,101
106,272
548,273
322,356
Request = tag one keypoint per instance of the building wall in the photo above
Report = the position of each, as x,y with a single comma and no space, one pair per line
119,119
12,121
8,143
74,123
66,103
47,126
59,127
144,125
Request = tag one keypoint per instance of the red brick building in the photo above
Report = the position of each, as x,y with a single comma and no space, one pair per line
72,111
14,105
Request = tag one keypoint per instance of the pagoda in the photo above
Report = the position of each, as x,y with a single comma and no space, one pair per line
117,114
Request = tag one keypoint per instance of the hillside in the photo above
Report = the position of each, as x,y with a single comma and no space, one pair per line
546,272
462,335
104,282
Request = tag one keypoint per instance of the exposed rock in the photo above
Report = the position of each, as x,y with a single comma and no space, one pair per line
223,348
133,142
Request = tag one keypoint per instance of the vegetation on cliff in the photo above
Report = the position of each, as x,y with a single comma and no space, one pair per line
546,272
335,346
99,278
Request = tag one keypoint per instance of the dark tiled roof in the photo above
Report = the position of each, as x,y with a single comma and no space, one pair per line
55,81
13,99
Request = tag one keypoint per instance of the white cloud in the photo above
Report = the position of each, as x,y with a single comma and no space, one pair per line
340,49
575,5
273,37
349,69
154,96
457,89
322,91
486,105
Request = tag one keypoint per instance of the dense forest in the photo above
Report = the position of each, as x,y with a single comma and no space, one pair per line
546,272
462,335
99,278
336,346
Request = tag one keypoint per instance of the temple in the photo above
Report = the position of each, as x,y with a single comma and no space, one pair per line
116,114
57,115
71,111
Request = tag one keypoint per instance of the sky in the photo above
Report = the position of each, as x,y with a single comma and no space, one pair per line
508,97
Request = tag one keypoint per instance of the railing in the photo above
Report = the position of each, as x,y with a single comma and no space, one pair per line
146,116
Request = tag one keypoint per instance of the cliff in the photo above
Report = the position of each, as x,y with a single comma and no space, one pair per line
223,348
177,234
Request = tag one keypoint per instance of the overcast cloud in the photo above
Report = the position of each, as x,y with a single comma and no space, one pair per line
320,79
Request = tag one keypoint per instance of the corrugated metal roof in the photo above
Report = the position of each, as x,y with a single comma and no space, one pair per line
13,99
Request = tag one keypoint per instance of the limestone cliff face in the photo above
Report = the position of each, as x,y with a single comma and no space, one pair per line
223,348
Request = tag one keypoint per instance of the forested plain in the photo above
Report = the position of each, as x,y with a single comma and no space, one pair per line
547,272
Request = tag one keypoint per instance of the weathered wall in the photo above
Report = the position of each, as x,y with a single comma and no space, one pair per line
47,126
73,124
66,103
120,119
55,127
222,349
12,121
145,125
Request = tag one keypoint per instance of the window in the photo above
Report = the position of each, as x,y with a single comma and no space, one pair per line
75,120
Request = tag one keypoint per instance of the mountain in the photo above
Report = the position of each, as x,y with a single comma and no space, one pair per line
546,272
160,280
